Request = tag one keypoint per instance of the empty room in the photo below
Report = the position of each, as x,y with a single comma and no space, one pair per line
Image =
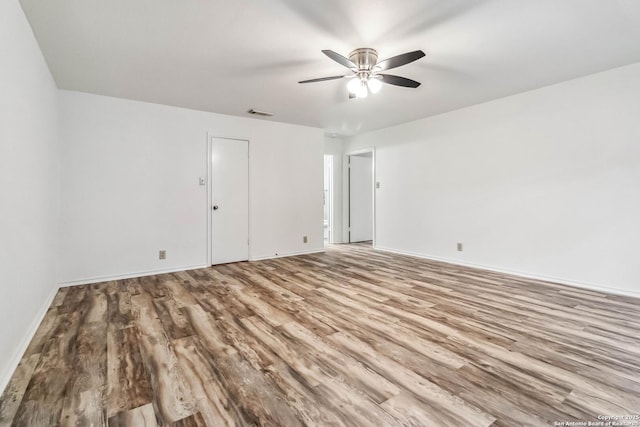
319,213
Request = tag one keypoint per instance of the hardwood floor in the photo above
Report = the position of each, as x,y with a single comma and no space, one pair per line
350,337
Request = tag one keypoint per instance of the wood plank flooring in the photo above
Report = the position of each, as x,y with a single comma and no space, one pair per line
349,337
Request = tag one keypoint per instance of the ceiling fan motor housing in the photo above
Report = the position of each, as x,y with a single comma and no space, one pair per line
365,58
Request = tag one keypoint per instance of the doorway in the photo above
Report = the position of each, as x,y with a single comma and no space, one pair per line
229,200
361,196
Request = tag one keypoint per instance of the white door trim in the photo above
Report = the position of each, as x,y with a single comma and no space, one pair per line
345,209
328,170
210,138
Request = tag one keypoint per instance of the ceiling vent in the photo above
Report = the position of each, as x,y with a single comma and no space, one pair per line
260,113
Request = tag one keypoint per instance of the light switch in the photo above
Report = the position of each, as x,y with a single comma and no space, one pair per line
377,184
203,181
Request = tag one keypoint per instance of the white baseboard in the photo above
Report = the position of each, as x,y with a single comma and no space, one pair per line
8,371
88,281
559,280
286,254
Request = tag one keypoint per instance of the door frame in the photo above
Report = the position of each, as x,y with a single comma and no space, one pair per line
328,167
347,190
210,138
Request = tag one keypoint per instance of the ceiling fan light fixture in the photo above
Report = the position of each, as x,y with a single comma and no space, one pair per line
353,86
362,91
374,85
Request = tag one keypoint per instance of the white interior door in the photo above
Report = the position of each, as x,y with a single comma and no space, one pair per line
229,200
361,198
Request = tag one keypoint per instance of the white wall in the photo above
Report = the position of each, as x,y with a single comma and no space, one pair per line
544,183
130,186
28,186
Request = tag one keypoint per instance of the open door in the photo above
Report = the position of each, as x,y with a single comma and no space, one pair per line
361,197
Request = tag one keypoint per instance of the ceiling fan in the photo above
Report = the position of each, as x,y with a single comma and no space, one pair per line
366,76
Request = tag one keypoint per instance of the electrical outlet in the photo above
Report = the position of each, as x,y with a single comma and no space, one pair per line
162,255
459,247
305,239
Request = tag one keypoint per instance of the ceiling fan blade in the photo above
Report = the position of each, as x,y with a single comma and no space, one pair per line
400,60
399,81
322,79
339,59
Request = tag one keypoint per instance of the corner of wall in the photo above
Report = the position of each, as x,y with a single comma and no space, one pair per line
21,347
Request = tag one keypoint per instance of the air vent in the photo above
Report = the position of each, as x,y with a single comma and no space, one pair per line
260,113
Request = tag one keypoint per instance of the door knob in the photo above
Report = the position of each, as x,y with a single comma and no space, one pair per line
215,207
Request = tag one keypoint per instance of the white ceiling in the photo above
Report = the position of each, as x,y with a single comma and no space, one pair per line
230,56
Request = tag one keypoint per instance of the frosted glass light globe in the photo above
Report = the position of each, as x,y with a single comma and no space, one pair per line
362,92
353,85
374,85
